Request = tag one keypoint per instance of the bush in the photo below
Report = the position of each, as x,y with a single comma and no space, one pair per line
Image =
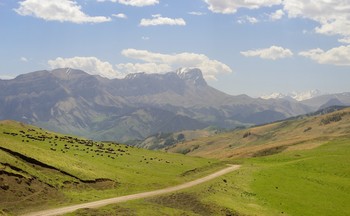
333,118
246,134
307,129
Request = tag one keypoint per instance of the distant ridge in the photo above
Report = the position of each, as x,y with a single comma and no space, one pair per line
300,132
132,108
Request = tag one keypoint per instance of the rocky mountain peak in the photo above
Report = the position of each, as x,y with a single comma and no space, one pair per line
193,75
135,75
68,73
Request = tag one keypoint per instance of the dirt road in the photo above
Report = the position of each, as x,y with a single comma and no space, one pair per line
100,203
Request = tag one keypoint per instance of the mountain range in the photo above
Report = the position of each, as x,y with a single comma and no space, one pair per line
139,105
298,96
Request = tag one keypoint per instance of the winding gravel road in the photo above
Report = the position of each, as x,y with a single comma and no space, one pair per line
100,203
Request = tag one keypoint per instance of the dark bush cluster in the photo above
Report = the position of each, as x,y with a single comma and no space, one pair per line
247,134
307,129
332,118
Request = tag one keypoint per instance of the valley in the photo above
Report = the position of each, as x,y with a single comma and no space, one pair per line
290,167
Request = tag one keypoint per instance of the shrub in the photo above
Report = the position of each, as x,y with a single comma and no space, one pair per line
246,134
333,118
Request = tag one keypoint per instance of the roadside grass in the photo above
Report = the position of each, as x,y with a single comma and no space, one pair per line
132,208
314,182
301,182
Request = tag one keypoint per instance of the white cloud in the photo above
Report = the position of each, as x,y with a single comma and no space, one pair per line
345,40
210,68
150,63
143,67
156,15
120,15
91,65
24,59
135,3
273,53
196,13
278,14
57,10
6,77
335,56
247,19
230,6
332,15
159,20
145,38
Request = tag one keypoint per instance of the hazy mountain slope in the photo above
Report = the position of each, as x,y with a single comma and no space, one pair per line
319,101
135,107
302,132
140,123
299,96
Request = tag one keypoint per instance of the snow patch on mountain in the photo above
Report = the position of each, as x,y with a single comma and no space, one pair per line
298,96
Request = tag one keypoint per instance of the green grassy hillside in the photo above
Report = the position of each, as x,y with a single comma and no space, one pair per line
164,140
294,167
308,182
40,168
304,132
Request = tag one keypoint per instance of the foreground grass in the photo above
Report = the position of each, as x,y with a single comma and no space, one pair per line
315,182
294,181
80,172
302,182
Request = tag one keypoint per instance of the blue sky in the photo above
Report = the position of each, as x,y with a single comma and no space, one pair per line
253,47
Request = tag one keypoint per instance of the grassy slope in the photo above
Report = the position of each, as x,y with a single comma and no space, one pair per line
300,182
302,133
315,182
307,173
132,169
163,140
308,176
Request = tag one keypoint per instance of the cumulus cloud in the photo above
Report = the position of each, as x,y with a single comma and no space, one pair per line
210,68
143,67
278,14
6,77
149,62
196,13
332,15
273,53
335,56
159,20
23,59
57,10
247,19
91,65
229,6
120,15
135,3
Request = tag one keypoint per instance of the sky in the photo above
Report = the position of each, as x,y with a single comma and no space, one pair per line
253,47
